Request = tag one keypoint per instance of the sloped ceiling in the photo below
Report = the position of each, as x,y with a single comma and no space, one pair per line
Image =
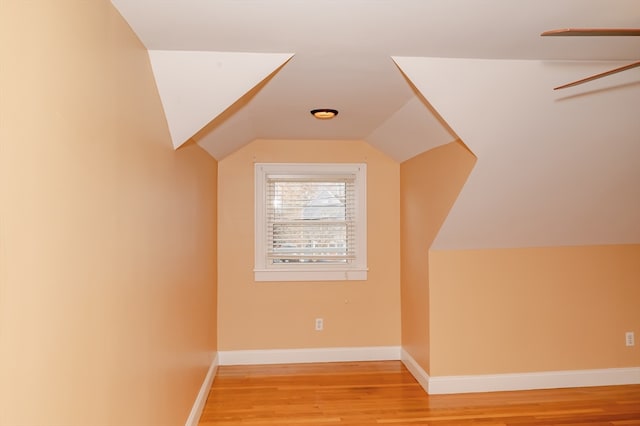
189,84
554,167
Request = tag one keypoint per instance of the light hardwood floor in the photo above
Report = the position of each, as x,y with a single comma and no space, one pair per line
385,393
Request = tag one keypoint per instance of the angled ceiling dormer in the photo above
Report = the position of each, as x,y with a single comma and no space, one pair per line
551,170
197,86
553,167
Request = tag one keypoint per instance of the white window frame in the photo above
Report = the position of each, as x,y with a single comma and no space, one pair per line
266,271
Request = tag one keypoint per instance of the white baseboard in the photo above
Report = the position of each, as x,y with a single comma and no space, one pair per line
298,356
201,399
529,381
519,381
414,368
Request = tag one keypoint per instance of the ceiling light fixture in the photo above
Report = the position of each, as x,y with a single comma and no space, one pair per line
324,113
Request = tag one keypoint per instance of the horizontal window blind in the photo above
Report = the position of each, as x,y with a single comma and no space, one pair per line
311,219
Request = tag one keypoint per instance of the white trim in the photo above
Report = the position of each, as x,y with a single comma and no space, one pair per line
414,368
300,356
201,399
529,381
435,385
310,275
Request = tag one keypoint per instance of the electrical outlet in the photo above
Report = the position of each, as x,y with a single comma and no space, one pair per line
629,338
319,324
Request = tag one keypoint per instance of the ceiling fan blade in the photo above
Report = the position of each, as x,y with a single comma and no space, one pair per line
593,32
596,76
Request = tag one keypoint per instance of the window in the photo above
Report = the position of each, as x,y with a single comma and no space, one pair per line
310,222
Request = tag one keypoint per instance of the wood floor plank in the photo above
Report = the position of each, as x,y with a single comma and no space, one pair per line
385,393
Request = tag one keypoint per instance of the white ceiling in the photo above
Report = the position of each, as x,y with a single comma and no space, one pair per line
554,168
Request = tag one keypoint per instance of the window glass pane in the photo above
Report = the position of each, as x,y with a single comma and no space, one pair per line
310,221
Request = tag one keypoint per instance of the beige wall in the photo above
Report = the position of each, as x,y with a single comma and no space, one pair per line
107,256
533,309
268,315
467,312
430,183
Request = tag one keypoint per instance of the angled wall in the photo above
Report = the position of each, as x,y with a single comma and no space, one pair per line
429,185
542,284
469,313
107,235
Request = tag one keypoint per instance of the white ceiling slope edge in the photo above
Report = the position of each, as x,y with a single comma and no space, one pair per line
195,87
554,168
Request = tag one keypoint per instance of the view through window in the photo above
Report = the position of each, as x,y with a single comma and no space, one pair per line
310,218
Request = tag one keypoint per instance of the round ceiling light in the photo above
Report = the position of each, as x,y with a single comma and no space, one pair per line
324,113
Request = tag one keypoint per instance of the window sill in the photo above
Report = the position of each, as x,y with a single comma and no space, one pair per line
310,275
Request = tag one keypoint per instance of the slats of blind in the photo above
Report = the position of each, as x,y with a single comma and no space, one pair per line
311,219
